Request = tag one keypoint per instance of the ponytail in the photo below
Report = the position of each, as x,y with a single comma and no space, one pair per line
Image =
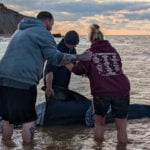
95,33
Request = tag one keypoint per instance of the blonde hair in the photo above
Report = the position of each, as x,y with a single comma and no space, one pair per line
95,33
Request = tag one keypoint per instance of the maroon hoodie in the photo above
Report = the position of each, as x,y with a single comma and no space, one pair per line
104,71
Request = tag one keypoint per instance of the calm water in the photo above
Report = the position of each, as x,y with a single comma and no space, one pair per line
135,54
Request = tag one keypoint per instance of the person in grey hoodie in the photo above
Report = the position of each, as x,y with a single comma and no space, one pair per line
21,69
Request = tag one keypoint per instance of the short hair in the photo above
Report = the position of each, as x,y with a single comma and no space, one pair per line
71,37
44,15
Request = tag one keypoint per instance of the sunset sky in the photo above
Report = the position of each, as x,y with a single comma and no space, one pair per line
116,17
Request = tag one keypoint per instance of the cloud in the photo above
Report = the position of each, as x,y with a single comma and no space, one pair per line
84,7
89,8
76,14
76,8
137,16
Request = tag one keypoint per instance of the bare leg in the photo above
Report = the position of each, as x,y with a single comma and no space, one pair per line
121,125
99,128
7,130
28,132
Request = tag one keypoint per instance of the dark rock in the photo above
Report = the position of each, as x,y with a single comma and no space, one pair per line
57,35
9,20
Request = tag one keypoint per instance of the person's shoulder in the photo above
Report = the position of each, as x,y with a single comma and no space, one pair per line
74,51
44,34
61,45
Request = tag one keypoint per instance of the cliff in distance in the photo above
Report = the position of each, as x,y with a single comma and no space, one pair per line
8,20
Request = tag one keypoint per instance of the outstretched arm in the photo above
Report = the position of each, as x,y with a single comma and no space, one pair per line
67,58
50,52
70,66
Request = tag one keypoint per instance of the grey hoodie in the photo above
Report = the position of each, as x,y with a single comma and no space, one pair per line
27,51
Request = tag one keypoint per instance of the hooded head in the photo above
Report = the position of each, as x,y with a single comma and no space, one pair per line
71,38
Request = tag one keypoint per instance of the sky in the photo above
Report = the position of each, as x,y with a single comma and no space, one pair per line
115,17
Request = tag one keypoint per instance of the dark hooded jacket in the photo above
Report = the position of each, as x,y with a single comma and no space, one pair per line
61,74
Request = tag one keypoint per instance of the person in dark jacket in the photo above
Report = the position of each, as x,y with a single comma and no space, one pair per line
63,106
109,85
56,76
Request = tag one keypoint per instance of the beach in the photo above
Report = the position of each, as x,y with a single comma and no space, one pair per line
135,54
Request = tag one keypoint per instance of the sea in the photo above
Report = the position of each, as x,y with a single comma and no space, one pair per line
135,54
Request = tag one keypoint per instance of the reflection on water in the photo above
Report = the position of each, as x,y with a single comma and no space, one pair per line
81,138
135,54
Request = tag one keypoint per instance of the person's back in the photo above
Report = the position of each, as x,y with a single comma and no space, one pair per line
105,71
25,53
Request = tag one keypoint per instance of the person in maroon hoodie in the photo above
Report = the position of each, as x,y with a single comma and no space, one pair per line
109,85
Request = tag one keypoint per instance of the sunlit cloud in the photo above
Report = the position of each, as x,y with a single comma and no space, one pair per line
114,17
29,13
65,13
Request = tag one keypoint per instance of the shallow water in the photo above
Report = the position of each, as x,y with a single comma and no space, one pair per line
135,54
